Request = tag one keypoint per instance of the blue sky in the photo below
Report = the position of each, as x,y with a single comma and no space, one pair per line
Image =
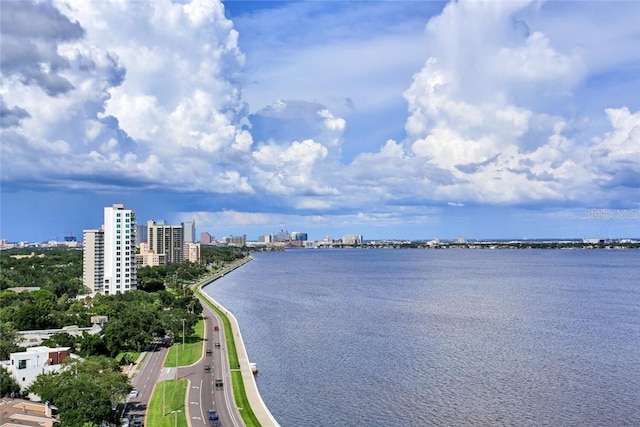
390,119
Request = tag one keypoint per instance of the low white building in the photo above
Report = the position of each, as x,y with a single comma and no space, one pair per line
25,366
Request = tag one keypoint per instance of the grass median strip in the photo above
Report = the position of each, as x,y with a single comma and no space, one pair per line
166,408
188,353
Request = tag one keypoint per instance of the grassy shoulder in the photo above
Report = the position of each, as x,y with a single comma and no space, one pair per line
239,393
188,353
166,408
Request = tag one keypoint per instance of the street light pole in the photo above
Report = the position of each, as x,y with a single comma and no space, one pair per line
175,417
183,332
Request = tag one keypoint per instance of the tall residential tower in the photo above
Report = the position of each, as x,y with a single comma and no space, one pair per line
109,259
119,249
166,239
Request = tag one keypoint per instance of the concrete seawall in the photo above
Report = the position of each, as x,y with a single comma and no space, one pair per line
258,406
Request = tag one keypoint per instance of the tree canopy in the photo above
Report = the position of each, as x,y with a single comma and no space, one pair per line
84,390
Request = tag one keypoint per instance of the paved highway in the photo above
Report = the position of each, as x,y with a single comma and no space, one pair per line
144,381
203,392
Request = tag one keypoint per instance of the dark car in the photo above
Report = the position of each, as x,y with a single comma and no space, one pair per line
207,368
213,418
209,351
218,382
217,345
137,422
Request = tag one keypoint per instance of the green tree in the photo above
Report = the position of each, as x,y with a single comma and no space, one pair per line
92,345
84,390
61,339
8,339
8,386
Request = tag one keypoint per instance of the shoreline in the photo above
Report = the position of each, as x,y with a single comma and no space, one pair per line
259,408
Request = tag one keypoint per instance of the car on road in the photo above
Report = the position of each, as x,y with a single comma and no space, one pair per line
137,422
215,328
218,382
133,393
124,422
207,368
209,351
213,418
217,345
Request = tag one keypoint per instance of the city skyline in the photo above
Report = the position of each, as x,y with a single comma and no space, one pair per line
399,120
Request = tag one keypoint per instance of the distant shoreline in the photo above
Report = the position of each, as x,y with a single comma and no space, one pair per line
513,244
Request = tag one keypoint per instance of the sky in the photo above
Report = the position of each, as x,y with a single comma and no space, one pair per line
390,119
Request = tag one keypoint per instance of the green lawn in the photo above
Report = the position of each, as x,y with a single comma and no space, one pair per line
242,402
169,396
132,354
188,353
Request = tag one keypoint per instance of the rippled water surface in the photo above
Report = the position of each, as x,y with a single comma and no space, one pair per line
442,337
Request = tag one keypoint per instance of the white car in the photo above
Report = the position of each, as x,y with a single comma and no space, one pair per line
134,393
125,422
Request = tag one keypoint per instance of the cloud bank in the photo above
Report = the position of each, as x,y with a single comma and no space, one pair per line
128,96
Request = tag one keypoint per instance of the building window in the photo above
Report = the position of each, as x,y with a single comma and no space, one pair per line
22,364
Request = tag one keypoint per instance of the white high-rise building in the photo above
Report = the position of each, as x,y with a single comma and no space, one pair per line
93,259
109,258
119,250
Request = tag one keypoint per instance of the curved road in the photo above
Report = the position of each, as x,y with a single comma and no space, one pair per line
203,394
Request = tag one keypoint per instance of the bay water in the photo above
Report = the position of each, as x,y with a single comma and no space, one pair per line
417,337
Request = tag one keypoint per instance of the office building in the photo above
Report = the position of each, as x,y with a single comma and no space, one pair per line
352,239
189,231
236,240
206,238
141,234
298,236
166,240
